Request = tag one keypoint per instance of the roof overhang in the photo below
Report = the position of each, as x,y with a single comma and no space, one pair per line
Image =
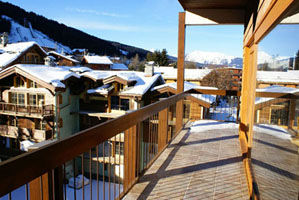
212,12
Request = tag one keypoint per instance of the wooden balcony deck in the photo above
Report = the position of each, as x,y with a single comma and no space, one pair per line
275,162
197,165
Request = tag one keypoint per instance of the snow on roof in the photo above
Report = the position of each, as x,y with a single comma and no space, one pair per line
98,60
78,50
11,52
104,89
80,69
291,76
51,75
64,56
142,85
274,89
190,74
119,66
189,86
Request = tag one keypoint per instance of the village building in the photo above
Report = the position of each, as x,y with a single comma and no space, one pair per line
38,102
21,53
198,105
64,60
113,93
276,110
97,62
289,78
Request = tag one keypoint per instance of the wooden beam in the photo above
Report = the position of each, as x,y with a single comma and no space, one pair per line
180,69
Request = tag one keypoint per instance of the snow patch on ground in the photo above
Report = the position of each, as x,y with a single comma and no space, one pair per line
206,125
273,130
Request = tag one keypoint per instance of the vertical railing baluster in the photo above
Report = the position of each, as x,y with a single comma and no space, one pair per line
97,154
64,178
114,171
53,184
74,174
104,161
82,172
109,172
119,161
90,178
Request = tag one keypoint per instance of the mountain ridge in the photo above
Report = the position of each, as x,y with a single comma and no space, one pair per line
68,36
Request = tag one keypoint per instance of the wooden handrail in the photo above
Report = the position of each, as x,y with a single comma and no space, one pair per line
26,167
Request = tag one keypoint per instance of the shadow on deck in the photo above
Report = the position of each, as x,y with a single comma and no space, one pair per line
197,164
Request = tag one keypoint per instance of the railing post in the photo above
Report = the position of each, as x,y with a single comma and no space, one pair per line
162,129
292,110
130,158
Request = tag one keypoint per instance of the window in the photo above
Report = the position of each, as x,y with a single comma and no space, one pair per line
19,81
125,104
14,98
115,102
32,84
21,99
119,148
32,99
41,99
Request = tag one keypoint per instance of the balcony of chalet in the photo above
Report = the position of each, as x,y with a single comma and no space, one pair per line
26,110
166,150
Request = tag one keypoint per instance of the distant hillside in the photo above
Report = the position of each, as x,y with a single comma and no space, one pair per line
67,36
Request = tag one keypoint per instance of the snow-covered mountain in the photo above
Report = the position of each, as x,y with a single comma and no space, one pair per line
214,58
19,33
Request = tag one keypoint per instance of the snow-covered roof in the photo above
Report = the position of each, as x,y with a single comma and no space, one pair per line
189,86
64,56
119,66
11,52
274,89
142,85
98,60
103,90
190,74
48,74
291,76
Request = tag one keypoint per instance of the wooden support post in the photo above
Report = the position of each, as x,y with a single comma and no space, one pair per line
130,158
292,110
247,110
180,69
162,129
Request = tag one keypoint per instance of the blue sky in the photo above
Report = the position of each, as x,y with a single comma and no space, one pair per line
149,24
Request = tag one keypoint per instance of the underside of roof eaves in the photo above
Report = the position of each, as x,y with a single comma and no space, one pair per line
219,11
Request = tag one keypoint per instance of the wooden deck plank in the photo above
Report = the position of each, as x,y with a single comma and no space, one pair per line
205,165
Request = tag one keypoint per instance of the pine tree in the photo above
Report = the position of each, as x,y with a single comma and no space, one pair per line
296,67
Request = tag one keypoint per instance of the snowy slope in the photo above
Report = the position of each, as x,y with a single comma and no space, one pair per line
19,33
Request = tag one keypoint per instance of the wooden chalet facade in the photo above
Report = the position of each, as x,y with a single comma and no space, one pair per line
97,62
21,53
64,60
35,107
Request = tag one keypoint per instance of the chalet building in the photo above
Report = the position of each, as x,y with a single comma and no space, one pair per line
198,104
275,110
286,79
21,53
38,102
64,60
97,62
79,53
113,93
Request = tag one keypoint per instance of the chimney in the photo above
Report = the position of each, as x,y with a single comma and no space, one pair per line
50,61
149,69
4,39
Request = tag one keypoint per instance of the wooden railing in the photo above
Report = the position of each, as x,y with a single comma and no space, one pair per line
92,152
97,153
27,109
